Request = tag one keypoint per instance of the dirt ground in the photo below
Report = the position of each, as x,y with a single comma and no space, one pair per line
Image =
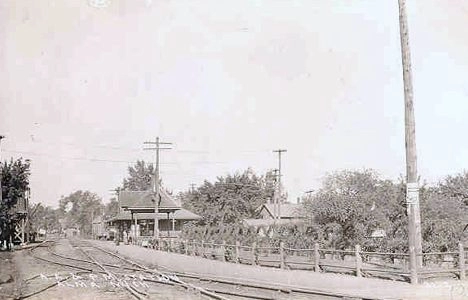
8,276
30,275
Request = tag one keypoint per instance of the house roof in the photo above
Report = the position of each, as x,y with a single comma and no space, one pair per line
181,214
143,201
269,222
287,210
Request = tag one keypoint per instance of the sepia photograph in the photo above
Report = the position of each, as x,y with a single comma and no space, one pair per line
248,149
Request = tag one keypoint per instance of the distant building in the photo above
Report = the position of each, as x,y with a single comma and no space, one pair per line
289,214
169,224
144,202
288,211
72,232
137,212
99,229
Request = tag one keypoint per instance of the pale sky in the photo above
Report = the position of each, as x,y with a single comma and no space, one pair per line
228,82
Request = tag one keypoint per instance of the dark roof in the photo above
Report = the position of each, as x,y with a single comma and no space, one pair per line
181,214
144,201
287,210
269,222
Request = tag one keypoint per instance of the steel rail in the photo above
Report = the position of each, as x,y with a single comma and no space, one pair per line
43,289
233,281
136,293
171,278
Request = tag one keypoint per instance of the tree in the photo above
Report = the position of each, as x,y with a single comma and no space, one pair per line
352,204
15,183
455,186
111,209
443,220
139,177
229,199
45,217
444,208
78,208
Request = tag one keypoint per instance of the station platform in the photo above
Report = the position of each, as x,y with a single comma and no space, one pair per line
356,287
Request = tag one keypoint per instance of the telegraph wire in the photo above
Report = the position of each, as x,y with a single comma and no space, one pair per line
67,158
101,160
134,149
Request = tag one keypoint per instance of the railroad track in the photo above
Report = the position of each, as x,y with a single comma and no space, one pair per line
96,260
93,265
275,291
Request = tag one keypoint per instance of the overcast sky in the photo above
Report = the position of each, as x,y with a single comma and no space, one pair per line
227,82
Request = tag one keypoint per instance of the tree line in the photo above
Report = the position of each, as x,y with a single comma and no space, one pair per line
351,205
348,208
77,209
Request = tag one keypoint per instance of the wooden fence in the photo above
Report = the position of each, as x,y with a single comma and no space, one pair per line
355,262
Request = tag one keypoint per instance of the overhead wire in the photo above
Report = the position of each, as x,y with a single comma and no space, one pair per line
133,149
100,159
187,151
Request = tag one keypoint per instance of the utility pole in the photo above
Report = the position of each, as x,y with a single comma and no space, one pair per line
156,187
412,186
278,197
1,190
116,191
119,228
275,192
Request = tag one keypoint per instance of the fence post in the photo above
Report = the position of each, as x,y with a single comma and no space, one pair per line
171,246
236,258
254,247
316,257
461,261
202,246
281,253
223,251
358,261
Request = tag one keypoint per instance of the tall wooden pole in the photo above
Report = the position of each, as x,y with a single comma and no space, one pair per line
1,194
278,197
412,187
156,187
156,191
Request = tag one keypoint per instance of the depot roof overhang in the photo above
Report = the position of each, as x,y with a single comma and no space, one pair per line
138,210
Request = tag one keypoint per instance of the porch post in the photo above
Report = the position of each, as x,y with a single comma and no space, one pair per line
135,230
131,222
173,222
168,225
